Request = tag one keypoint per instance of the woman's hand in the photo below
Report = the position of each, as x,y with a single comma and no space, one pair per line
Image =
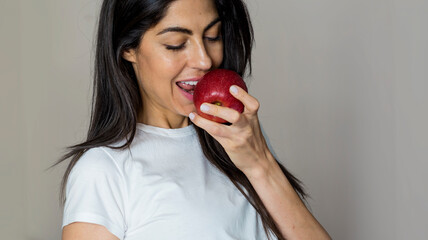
243,140
247,148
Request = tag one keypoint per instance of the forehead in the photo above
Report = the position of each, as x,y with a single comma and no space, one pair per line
192,14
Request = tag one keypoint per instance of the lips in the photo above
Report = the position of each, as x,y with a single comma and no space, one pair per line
188,85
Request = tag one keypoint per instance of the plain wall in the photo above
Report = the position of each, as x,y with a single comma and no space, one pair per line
343,91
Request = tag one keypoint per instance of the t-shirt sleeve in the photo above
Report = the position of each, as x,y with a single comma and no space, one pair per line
96,192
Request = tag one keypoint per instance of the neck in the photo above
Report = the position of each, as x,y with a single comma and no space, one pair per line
164,121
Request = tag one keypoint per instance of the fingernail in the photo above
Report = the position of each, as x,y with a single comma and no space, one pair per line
234,89
205,108
192,116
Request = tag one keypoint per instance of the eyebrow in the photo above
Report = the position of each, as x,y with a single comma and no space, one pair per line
188,31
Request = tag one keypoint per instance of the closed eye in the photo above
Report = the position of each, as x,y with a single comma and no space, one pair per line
213,39
175,47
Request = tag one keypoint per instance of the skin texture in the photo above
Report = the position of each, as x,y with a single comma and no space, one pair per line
86,231
158,68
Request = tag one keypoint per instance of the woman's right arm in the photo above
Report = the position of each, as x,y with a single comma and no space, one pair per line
95,205
86,231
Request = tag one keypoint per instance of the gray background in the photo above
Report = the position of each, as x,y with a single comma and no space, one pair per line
342,86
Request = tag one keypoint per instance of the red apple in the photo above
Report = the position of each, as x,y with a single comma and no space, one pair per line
214,88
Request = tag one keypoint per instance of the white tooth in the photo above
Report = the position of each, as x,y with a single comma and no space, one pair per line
191,83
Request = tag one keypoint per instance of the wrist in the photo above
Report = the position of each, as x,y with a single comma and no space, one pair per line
264,169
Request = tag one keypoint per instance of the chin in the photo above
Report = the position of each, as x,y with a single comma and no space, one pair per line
187,110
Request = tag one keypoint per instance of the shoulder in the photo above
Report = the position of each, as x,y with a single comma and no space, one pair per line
96,173
97,157
99,160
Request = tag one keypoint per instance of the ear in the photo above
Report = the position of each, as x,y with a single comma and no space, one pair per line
130,55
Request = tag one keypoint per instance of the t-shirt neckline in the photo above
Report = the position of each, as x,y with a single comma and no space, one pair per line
170,132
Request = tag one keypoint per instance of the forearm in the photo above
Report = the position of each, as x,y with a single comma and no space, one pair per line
286,208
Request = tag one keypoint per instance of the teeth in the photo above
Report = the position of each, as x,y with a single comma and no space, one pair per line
193,83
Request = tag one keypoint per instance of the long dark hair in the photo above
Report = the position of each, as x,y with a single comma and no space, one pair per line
116,99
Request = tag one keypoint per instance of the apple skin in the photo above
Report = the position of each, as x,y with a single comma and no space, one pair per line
214,88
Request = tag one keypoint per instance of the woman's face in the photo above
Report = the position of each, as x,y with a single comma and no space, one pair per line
183,46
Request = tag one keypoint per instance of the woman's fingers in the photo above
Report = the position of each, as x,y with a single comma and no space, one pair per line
228,114
213,128
251,104
238,120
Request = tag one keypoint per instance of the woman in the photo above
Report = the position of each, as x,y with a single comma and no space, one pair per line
147,171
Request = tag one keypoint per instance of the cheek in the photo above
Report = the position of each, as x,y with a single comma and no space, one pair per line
160,65
216,54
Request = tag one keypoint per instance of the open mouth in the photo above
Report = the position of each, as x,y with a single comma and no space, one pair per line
188,86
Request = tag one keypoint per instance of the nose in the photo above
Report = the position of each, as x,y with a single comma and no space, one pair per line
200,59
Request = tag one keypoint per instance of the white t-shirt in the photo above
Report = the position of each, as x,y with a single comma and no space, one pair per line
163,188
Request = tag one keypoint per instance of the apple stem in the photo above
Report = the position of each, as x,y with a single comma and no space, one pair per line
217,103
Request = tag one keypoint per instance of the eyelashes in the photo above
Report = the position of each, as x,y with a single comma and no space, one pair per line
174,48
181,46
213,39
